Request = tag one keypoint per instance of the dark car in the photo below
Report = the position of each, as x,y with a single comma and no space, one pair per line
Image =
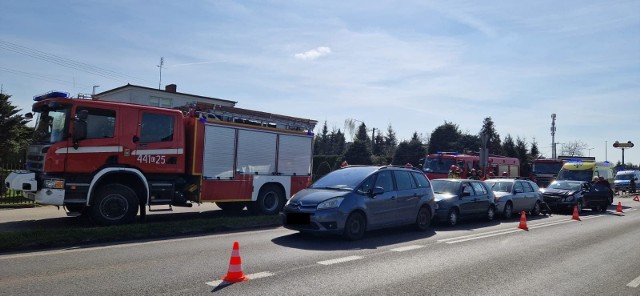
564,195
462,198
354,199
515,196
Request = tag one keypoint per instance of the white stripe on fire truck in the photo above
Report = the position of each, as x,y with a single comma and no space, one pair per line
157,151
96,149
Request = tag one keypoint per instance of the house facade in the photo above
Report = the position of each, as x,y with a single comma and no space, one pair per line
167,98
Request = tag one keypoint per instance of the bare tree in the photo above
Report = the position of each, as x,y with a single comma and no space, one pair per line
574,148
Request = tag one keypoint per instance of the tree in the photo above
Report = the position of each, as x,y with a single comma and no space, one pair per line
409,151
509,147
493,144
468,142
574,148
534,153
523,156
337,142
14,134
359,151
444,138
321,143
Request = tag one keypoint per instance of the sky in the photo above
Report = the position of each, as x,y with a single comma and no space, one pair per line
413,65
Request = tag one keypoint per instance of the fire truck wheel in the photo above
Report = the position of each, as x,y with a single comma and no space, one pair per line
114,204
231,206
270,201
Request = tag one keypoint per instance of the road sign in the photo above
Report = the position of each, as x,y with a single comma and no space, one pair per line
622,145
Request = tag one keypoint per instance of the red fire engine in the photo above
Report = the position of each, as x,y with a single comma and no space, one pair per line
438,165
109,159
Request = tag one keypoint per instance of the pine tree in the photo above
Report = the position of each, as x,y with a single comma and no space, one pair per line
493,144
14,135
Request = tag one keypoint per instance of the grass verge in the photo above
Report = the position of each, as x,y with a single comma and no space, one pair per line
38,239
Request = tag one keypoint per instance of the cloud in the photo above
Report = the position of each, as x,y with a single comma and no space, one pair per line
314,53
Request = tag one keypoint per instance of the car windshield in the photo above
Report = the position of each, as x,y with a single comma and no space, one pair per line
500,186
624,176
576,175
438,165
51,126
344,179
443,186
566,185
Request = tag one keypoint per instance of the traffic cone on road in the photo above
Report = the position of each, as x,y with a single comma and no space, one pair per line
636,198
576,214
523,221
619,208
235,274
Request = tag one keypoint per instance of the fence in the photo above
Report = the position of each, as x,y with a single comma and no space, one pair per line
7,196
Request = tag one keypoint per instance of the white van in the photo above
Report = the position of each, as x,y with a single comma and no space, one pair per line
623,179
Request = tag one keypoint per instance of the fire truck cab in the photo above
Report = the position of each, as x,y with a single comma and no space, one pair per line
109,159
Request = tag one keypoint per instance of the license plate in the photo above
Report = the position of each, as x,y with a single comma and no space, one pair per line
297,218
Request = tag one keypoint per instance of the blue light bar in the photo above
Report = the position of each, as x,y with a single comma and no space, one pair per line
49,95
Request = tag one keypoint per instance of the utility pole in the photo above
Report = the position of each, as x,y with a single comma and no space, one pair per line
160,66
553,136
373,138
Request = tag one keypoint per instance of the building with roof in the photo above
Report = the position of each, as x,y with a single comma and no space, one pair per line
167,98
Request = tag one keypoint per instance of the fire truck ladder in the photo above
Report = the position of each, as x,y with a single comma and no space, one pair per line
245,116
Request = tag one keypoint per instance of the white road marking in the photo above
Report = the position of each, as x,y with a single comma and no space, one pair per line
635,283
252,276
340,260
487,234
407,248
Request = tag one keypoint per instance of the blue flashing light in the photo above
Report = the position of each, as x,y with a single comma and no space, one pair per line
574,160
606,161
49,95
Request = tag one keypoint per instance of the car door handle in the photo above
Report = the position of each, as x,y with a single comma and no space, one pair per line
393,198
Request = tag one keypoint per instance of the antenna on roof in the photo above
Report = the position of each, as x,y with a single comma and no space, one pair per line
160,66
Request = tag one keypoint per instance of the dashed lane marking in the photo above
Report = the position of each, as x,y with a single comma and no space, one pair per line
340,260
407,248
635,283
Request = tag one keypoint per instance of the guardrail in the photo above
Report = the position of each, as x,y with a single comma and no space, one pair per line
7,196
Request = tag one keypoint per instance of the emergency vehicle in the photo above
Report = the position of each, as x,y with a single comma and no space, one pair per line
581,170
438,165
109,159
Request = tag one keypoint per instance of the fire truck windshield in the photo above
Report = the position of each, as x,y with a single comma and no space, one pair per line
546,168
51,127
438,165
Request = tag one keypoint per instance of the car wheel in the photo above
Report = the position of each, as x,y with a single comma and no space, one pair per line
115,204
270,201
423,220
536,209
603,208
491,213
452,218
355,226
507,213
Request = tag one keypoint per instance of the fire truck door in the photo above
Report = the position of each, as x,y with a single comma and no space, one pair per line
157,146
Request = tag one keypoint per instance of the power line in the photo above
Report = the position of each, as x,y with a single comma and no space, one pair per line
80,66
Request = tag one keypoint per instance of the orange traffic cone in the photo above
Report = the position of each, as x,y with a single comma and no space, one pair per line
619,208
523,221
636,198
235,274
576,214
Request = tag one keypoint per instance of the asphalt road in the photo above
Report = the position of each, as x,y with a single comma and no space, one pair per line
599,255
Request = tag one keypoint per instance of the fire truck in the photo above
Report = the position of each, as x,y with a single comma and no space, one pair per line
438,165
110,160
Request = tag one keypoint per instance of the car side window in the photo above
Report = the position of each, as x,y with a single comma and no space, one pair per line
466,188
421,180
518,187
404,180
527,187
101,123
385,180
156,128
366,186
477,186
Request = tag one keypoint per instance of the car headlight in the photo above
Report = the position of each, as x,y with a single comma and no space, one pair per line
569,198
54,183
331,203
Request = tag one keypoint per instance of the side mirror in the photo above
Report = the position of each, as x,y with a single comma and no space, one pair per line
377,191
